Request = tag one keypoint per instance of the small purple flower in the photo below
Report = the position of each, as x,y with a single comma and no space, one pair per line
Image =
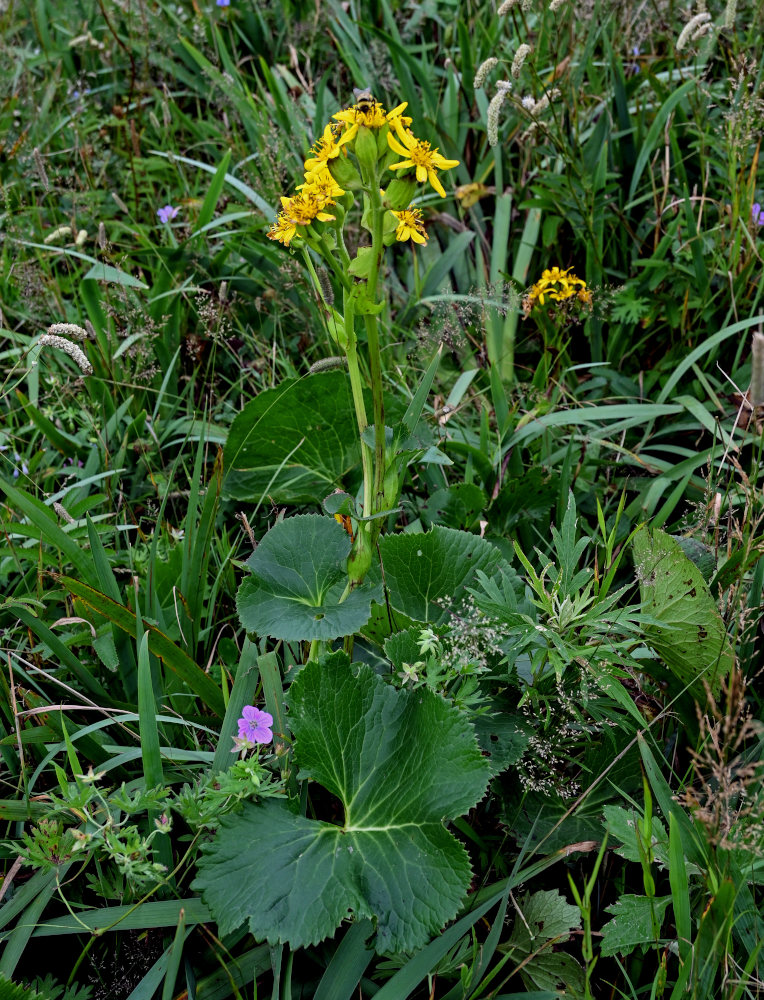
255,726
223,3
167,213
757,214
24,467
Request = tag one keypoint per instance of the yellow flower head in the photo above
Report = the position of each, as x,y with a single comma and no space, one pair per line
410,226
418,154
283,230
326,148
370,114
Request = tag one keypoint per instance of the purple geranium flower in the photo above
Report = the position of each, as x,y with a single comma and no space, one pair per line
167,213
757,214
223,3
255,726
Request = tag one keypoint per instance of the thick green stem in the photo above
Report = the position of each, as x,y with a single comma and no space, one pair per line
356,386
375,357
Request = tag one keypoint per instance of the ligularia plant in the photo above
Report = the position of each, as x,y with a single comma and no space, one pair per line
369,157
399,763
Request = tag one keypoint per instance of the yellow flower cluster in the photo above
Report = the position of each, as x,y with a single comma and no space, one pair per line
320,191
558,286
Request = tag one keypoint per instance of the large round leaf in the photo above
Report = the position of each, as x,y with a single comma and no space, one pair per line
687,631
298,579
295,442
400,762
426,574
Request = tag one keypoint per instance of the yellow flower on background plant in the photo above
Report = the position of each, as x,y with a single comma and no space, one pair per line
558,286
418,153
410,226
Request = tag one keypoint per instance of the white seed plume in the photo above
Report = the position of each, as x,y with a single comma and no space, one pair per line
57,233
520,56
483,70
555,5
492,123
68,330
690,30
75,353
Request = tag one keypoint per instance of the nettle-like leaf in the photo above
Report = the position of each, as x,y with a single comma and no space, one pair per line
293,443
298,580
547,919
689,634
400,762
425,572
632,923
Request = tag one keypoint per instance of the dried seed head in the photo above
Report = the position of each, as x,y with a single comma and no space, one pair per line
555,5
484,69
729,14
757,369
326,364
41,172
63,513
75,353
520,56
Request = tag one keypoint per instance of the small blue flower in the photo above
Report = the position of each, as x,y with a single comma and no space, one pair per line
757,214
223,3
167,213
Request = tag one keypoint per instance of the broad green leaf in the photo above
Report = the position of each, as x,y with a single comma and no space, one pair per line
426,574
297,587
112,275
400,763
503,738
294,443
632,923
546,917
690,636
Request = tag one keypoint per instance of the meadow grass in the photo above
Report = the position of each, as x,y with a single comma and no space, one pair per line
510,630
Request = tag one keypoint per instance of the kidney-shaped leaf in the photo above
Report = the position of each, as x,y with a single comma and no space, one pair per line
689,634
295,442
400,762
425,573
298,579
